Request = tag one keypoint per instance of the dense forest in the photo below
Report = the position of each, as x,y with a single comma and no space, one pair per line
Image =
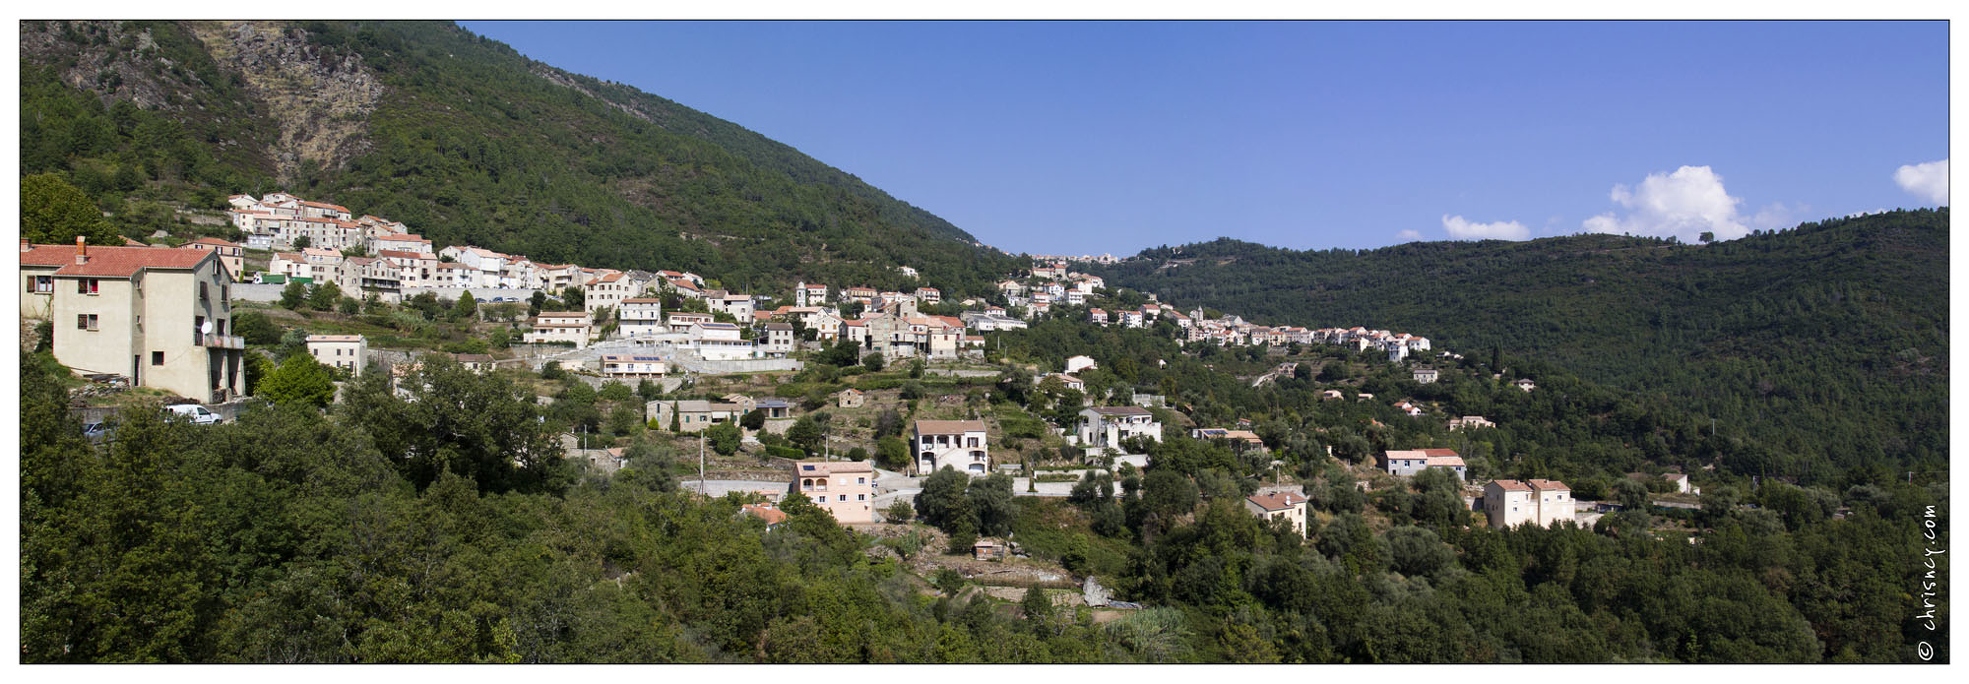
1827,344
410,529
466,141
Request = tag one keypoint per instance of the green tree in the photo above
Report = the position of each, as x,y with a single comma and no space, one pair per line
943,503
256,327
892,452
299,380
323,295
54,212
293,296
724,437
873,362
466,307
807,434
477,425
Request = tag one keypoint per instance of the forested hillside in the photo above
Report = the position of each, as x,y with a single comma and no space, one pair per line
1827,344
464,140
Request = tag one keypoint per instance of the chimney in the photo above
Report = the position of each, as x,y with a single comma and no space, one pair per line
25,246
81,250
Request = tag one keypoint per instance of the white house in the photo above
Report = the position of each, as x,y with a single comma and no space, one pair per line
957,444
560,326
1408,463
720,341
1076,364
1108,426
341,351
641,317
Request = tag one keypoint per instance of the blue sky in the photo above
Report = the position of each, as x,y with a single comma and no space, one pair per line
1091,137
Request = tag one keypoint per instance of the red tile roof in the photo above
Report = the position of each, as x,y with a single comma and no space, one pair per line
112,261
1277,501
211,241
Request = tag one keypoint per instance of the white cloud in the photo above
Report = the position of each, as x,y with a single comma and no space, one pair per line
1461,229
1684,204
1409,236
1928,181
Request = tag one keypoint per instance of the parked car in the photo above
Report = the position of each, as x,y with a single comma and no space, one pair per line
194,412
96,431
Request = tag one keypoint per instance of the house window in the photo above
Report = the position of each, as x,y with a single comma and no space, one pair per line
861,480
844,497
85,321
157,358
42,284
861,497
87,286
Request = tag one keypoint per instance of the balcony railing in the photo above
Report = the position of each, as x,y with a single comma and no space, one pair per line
220,341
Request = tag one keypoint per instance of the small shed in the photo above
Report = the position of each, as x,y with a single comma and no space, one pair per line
987,549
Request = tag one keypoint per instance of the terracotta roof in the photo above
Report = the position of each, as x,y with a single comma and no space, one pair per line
334,338
211,241
400,254
948,427
1550,486
1511,485
766,512
1276,501
642,300
118,261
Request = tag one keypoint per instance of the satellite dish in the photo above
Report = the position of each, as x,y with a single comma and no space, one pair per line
205,328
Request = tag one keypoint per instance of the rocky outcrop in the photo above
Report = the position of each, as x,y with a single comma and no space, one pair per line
109,59
320,99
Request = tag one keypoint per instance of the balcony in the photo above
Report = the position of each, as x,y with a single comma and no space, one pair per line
220,341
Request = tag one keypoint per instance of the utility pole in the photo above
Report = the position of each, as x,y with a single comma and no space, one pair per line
700,462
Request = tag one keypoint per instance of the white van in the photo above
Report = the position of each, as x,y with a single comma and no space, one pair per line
195,413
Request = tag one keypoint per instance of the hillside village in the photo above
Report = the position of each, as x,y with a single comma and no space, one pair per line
600,377
674,335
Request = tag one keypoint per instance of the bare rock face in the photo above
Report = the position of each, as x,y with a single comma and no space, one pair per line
320,99
104,58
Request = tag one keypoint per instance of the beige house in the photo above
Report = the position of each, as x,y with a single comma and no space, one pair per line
1509,503
852,398
776,340
1470,423
231,256
1285,506
1425,375
693,415
157,316
846,489
560,326
959,444
341,351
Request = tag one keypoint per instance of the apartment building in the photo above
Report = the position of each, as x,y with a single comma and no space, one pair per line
156,316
